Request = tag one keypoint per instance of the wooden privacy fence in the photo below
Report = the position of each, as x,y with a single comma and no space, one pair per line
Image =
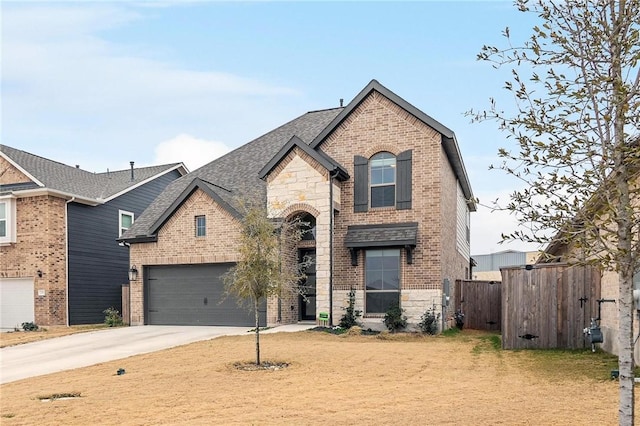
481,304
126,305
548,306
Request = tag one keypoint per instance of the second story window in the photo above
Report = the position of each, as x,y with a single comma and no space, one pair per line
201,226
383,180
126,220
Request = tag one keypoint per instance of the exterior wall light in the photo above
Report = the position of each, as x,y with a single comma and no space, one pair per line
133,273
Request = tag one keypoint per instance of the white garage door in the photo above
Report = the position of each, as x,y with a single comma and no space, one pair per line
16,302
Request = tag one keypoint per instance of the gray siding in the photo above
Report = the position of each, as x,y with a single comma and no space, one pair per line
495,261
97,264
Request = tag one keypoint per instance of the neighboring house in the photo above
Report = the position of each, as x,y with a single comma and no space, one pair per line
609,316
382,184
60,262
487,266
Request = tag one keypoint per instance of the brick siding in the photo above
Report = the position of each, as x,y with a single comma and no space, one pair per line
300,184
41,245
380,125
178,244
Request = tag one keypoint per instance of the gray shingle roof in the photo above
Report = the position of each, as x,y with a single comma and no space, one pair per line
449,141
74,181
325,160
397,234
236,172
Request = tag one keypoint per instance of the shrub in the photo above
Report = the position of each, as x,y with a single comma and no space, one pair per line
30,326
429,321
112,317
394,320
459,317
350,317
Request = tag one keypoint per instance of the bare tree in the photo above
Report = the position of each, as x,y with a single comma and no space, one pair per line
268,264
575,83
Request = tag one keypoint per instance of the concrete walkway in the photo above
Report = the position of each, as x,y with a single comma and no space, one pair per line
84,349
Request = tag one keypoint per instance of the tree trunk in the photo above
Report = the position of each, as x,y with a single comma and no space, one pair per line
625,266
625,308
257,314
625,357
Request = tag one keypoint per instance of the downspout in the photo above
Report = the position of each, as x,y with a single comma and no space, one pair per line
331,176
66,255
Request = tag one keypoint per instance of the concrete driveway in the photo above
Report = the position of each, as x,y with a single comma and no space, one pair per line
84,349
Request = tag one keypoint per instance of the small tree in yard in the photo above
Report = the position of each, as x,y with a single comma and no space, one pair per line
267,263
576,128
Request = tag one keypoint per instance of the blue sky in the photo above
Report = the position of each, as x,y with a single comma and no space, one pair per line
100,84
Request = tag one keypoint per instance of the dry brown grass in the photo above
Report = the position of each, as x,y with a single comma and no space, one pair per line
18,337
331,379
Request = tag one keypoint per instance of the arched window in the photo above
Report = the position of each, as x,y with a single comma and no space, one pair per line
382,178
308,225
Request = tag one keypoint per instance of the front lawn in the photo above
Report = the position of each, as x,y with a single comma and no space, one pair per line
12,338
330,379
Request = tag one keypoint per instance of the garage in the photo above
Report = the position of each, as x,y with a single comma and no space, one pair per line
16,303
193,295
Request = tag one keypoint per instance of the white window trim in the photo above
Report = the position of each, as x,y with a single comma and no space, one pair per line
124,212
205,225
11,219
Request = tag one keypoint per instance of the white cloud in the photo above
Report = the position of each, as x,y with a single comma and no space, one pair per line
113,99
191,151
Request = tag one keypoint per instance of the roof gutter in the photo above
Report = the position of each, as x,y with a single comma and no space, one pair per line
46,191
139,239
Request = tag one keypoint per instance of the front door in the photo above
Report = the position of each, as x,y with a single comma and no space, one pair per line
307,300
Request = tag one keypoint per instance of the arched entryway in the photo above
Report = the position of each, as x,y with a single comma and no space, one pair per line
307,255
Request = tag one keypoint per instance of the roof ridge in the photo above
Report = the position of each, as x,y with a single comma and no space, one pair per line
138,168
215,184
325,109
257,139
45,159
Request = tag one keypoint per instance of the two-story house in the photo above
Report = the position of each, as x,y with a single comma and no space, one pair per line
382,184
60,262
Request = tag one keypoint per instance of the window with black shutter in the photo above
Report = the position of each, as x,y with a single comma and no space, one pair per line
404,170
384,180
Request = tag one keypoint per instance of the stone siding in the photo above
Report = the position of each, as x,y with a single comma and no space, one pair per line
300,184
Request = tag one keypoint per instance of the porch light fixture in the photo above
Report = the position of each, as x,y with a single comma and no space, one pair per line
133,273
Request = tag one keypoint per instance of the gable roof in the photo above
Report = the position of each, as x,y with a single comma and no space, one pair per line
197,183
323,159
86,187
449,141
234,175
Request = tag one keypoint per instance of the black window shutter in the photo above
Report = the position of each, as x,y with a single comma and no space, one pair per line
403,180
360,184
